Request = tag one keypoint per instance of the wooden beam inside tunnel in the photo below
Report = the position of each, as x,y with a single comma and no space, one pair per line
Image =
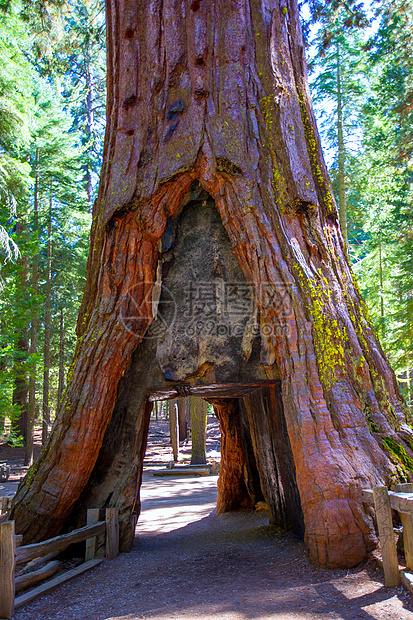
213,390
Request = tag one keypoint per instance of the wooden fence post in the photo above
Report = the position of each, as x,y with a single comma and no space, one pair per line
407,523
112,533
7,566
386,535
5,503
92,518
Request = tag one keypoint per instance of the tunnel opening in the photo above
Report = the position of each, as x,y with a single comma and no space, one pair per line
257,468
208,339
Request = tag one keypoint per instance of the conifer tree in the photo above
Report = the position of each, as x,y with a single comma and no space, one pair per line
338,59
42,161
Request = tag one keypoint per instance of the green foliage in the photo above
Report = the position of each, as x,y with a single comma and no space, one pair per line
392,51
52,108
324,13
377,127
85,82
43,159
344,55
383,175
15,121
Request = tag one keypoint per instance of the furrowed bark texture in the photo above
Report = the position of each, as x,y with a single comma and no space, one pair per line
235,483
216,92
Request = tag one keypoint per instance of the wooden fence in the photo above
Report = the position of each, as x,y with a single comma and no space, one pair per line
43,553
384,502
4,472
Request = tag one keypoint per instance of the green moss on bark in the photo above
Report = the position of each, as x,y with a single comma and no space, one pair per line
397,454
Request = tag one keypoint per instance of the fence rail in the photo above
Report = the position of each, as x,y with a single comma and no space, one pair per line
384,502
12,555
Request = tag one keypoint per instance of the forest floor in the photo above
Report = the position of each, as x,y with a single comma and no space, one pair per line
188,563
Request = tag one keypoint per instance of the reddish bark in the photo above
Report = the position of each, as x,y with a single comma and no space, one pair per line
272,449
217,92
232,482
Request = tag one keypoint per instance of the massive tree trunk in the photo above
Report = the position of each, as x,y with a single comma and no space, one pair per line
213,174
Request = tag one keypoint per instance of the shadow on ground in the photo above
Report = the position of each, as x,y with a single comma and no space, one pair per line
188,563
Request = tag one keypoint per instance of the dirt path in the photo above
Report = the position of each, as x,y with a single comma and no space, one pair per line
189,564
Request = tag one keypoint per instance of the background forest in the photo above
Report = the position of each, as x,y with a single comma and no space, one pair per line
52,117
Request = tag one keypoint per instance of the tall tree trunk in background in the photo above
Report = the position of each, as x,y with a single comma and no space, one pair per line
213,96
47,329
21,381
188,416
381,291
61,383
182,419
410,372
3,369
28,454
173,428
31,416
199,414
90,122
342,202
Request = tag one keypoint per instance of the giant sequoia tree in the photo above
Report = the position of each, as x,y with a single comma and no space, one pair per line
217,268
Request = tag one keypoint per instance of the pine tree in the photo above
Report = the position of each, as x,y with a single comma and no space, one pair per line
338,58
43,158
381,186
16,103
16,109
85,83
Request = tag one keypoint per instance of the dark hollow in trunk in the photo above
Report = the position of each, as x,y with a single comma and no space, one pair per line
217,259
